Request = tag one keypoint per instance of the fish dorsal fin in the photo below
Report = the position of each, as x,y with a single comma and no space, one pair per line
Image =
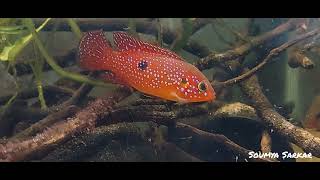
124,42
91,49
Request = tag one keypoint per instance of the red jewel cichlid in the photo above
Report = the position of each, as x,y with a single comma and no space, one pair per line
145,67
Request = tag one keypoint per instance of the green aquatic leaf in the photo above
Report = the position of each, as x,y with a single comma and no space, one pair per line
12,29
49,59
11,51
7,21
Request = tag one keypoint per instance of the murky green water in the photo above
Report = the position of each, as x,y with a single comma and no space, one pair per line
40,72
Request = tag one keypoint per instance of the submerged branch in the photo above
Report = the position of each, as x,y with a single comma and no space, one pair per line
159,113
276,122
33,92
62,111
273,53
232,30
132,134
79,94
242,50
60,132
102,110
221,139
45,123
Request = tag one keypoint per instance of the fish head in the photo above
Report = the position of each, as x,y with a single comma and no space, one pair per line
194,87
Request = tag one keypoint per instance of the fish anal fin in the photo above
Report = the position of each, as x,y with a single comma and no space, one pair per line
124,42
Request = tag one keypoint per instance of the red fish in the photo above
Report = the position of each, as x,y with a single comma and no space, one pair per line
145,67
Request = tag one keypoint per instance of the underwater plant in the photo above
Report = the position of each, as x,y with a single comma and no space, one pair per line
68,124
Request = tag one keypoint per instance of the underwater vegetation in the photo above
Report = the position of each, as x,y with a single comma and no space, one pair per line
185,111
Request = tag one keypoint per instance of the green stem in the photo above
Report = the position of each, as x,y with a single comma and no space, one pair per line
10,101
10,53
38,80
75,28
37,71
49,59
40,95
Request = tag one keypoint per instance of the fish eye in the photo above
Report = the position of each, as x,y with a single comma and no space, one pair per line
143,65
202,86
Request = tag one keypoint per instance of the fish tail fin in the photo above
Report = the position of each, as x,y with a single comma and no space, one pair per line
93,50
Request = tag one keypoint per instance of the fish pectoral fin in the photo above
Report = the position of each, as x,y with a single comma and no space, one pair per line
111,77
179,100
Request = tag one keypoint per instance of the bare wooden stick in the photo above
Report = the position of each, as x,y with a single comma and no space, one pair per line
60,132
30,93
221,139
45,123
273,53
163,114
214,58
277,123
89,143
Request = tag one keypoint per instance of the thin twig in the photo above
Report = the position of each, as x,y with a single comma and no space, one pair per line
62,111
53,64
92,142
32,92
277,123
61,131
272,54
217,138
45,123
221,37
242,50
75,98
230,29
